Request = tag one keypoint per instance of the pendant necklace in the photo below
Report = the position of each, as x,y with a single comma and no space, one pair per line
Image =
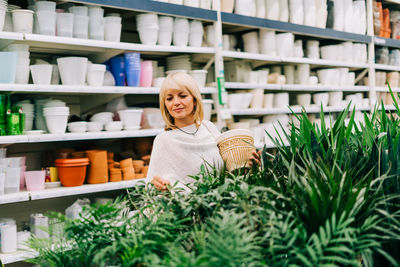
197,129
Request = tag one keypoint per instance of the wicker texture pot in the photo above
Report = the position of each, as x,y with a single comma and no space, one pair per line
236,147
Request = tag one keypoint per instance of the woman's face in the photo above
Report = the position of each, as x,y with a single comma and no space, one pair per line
180,105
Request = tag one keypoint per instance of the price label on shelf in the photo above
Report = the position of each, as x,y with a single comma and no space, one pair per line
380,41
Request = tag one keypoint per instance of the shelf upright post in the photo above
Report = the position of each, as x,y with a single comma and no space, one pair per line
221,97
371,55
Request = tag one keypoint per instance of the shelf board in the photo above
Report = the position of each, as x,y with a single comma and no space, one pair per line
7,38
156,7
389,42
77,136
296,87
14,197
293,60
73,89
234,19
295,109
7,258
83,189
100,51
386,67
385,89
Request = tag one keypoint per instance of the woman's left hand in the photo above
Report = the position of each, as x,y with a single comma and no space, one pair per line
256,158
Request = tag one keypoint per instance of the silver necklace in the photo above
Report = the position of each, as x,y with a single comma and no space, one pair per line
197,129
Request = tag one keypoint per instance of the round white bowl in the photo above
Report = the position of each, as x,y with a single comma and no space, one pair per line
94,126
131,117
114,126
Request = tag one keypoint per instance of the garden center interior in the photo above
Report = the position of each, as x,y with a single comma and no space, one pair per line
80,83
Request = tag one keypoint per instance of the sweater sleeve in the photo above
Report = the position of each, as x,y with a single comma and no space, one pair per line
211,128
159,160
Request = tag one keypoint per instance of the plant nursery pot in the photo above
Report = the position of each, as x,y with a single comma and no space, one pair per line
98,168
236,147
115,175
72,172
128,173
126,163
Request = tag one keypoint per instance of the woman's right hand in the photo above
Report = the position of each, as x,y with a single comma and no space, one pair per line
160,183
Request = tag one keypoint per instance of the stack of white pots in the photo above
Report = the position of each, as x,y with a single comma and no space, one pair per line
250,41
46,17
8,24
112,27
72,70
22,20
3,11
147,26
196,33
102,117
40,123
181,32
56,115
41,73
81,21
96,23
28,109
22,75
65,24
95,74
131,118
165,30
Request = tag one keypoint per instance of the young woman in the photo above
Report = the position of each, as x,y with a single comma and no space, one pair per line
188,141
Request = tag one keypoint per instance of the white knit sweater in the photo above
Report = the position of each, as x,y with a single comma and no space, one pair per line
176,155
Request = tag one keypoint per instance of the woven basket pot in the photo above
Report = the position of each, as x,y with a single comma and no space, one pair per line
236,147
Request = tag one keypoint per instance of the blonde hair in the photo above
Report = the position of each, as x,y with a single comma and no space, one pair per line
181,80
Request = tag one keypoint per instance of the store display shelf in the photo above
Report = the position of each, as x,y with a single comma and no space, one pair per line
388,108
7,258
102,49
324,62
74,89
293,109
156,7
386,67
385,89
380,41
77,136
83,189
14,197
292,60
392,1
8,37
296,87
230,18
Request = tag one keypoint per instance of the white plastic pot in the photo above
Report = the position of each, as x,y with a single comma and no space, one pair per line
72,70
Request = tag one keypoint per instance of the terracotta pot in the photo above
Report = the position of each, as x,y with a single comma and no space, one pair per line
126,163
115,175
98,168
145,169
143,146
138,163
146,159
72,172
139,175
128,173
110,155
